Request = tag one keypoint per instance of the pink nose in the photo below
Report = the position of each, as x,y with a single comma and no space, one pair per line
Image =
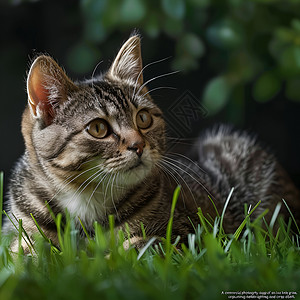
137,147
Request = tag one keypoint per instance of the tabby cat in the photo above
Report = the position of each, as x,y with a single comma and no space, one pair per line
97,148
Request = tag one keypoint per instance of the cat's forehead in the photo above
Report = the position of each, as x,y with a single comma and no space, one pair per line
103,99
118,100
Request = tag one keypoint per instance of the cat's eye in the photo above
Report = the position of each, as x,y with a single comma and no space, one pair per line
143,119
98,128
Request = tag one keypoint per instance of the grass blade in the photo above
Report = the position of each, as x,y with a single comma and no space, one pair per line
215,208
20,252
292,216
170,223
225,207
84,229
143,250
241,227
26,237
275,215
39,229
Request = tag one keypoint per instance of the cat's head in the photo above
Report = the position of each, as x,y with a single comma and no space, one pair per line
108,125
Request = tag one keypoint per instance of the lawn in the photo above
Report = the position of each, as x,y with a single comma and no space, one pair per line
256,262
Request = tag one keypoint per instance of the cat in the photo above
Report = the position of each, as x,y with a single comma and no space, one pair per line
98,148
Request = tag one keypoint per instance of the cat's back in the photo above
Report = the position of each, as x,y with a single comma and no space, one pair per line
226,159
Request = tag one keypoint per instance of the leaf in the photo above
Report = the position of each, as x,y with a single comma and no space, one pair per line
174,8
290,61
111,15
152,25
132,11
82,58
94,31
173,27
226,34
93,8
190,44
184,63
188,49
296,24
216,94
266,87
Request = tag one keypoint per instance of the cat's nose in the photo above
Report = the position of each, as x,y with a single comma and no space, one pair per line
137,147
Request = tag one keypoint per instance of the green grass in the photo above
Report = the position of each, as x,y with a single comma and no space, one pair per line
252,259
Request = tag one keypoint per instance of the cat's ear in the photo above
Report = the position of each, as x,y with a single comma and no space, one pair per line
128,62
47,87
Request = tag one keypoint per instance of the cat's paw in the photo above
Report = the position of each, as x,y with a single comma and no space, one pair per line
136,241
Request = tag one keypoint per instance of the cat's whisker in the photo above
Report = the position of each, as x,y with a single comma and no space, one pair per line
196,180
182,163
142,70
181,177
68,182
112,196
94,71
164,169
103,200
179,164
180,140
107,185
87,161
106,190
114,165
159,88
88,181
95,189
172,144
150,80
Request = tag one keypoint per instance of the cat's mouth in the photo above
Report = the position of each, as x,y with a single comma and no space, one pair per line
136,164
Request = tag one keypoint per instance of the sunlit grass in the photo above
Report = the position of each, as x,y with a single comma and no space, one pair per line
254,258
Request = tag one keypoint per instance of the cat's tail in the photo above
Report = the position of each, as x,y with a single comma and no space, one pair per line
235,159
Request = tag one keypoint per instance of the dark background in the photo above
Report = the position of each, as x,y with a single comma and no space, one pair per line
239,59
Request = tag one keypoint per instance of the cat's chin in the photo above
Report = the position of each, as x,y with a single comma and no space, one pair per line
136,173
137,169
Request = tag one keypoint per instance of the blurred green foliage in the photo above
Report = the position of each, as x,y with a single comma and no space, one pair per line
243,42
253,42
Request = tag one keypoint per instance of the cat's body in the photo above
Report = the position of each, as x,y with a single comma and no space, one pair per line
97,148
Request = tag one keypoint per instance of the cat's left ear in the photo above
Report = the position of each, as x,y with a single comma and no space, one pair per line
47,87
128,62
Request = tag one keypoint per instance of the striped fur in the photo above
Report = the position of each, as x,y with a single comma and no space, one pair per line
126,173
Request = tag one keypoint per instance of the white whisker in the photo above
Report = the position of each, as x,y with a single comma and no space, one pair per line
183,180
95,189
148,81
89,180
112,196
98,64
169,173
187,173
159,88
182,163
141,72
68,183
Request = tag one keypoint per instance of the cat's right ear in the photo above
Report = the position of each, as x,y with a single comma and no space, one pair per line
47,86
128,62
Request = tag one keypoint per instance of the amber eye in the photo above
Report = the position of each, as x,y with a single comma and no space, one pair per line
98,128
143,119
